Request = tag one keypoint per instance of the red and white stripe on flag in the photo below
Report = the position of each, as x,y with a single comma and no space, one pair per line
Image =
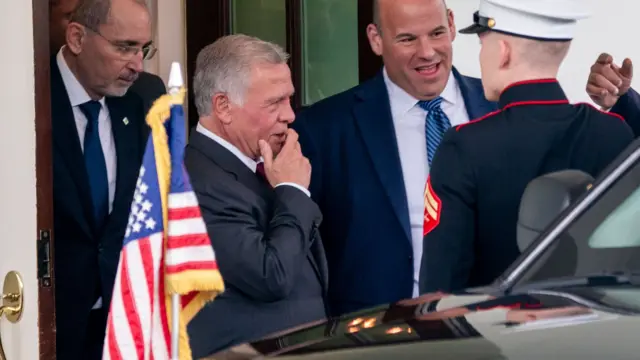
137,327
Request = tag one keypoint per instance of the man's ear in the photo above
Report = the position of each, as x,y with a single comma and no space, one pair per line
75,36
375,39
452,24
221,108
506,52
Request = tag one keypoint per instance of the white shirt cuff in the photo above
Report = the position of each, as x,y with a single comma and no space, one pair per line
296,186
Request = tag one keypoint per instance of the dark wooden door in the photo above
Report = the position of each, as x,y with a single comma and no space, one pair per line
44,182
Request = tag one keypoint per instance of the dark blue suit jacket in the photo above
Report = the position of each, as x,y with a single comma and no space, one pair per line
86,257
629,107
357,181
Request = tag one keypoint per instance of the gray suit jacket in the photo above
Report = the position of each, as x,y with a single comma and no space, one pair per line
268,249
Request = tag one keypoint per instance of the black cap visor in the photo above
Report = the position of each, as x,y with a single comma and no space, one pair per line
480,24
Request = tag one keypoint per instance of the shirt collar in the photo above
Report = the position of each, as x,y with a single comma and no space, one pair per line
451,90
251,164
401,101
76,92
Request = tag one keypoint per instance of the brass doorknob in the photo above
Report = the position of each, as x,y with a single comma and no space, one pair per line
12,301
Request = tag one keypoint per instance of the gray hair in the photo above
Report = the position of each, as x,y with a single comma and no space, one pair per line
225,67
93,13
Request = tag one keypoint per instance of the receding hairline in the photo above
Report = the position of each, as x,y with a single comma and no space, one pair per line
227,65
93,13
376,11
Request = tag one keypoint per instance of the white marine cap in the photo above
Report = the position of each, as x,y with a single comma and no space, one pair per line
535,19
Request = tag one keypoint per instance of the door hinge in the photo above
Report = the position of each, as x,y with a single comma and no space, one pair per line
44,258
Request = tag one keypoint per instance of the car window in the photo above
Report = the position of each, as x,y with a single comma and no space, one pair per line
605,238
621,297
621,228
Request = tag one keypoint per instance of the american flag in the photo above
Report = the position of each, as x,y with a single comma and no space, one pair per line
166,249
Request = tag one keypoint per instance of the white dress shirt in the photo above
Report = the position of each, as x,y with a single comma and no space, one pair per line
409,123
77,96
251,164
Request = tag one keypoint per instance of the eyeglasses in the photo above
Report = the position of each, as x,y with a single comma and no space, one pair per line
127,52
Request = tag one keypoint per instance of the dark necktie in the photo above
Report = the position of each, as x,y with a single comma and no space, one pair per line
95,163
261,174
437,123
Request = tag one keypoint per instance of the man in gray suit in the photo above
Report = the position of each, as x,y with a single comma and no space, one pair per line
262,223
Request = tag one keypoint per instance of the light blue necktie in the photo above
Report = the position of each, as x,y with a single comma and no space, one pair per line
437,124
95,163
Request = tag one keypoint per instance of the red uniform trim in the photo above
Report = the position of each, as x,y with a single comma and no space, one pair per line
534,81
618,116
479,119
539,102
514,104
432,209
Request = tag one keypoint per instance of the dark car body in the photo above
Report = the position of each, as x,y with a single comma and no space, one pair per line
574,293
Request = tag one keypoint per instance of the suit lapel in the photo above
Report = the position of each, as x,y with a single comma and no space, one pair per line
66,140
126,137
318,260
230,163
374,120
473,94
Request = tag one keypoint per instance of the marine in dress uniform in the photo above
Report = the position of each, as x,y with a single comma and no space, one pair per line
481,168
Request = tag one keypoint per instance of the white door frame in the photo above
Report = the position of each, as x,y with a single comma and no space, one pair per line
18,214
25,185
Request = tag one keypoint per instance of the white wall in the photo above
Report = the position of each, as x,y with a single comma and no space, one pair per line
169,24
18,176
170,37
610,29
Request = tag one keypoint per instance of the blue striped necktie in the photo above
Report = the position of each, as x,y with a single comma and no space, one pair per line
95,163
437,123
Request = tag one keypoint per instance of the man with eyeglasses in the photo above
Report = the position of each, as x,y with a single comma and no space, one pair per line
99,134
148,86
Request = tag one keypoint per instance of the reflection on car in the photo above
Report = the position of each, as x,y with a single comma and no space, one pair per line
573,293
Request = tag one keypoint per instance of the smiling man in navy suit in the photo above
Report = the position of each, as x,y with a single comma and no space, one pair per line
371,148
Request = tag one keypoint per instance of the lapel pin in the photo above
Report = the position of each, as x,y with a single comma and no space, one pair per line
125,121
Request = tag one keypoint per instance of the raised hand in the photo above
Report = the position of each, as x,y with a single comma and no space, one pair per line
607,81
289,166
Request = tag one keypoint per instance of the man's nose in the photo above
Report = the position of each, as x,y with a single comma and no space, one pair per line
425,49
136,63
287,115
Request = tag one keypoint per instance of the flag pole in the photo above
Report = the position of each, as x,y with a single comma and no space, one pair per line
175,84
175,323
